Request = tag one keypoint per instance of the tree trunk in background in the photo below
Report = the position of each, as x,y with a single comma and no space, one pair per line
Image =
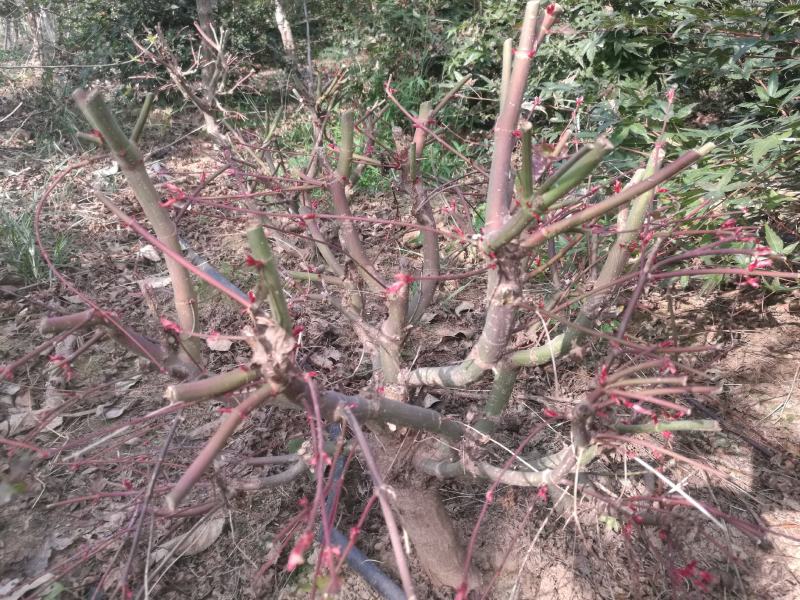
205,19
47,28
43,41
36,39
285,30
309,63
7,41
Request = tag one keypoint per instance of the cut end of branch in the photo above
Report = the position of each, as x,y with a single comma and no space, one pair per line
706,148
84,97
604,143
80,96
170,395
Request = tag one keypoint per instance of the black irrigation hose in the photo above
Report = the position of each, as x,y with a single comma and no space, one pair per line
202,264
357,560
361,564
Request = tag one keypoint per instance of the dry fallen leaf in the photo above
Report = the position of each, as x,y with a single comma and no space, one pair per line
148,252
39,559
19,592
412,239
325,358
429,400
157,283
125,384
25,401
9,388
197,540
112,169
465,306
21,422
115,412
444,331
219,344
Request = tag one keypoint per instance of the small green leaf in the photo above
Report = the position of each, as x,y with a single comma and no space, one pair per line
772,85
479,216
775,285
684,111
294,445
763,95
773,239
620,135
610,522
638,129
711,283
54,592
764,145
787,250
791,96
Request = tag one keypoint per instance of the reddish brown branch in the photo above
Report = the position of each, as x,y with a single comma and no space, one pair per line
217,442
79,323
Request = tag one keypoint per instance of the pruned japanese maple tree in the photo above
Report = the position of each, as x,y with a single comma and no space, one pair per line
533,199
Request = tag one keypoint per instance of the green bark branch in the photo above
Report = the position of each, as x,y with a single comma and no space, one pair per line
531,207
270,286
141,121
684,425
93,106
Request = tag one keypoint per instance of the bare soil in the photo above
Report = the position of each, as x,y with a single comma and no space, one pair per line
72,522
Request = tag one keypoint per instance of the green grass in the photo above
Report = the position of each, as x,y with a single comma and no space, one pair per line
18,251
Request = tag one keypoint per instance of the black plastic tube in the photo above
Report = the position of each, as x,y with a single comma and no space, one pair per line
203,264
357,560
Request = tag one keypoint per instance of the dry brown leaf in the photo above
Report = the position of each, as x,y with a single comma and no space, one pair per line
116,411
463,307
18,423
429,400
412,239
196,541
19,592
219,344
25,401
149,253
124,385
445,331
325,358
10,389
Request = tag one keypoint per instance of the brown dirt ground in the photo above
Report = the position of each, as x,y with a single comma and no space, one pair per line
581,554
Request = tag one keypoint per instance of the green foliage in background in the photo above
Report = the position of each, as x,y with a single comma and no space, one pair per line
735,66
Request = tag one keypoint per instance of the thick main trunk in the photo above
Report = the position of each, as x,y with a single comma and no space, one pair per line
437,544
